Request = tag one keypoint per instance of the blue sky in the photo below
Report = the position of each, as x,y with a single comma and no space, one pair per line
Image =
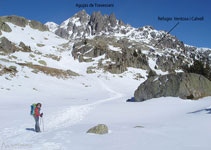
135,12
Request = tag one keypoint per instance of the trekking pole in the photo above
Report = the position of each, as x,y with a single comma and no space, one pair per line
42,124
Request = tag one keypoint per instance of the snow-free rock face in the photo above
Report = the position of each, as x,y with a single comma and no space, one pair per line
101,23
120,53
4,27
117,55
7,46
38,25
183,85
19,21
24,47
99,129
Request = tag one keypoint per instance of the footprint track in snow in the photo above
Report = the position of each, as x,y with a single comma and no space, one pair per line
75,114
64,118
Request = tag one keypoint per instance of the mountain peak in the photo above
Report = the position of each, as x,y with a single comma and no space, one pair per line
81,13
113,20
84,25
52,26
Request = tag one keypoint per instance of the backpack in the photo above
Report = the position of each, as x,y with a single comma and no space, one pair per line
33,106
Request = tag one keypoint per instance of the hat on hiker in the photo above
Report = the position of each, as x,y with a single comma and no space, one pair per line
39,104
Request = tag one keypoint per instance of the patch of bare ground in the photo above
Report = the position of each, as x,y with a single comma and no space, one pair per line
59,73
8,70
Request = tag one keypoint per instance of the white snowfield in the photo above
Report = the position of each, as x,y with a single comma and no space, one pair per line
72,106
70,109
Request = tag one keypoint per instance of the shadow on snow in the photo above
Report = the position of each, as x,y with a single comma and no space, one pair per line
208,110
30,129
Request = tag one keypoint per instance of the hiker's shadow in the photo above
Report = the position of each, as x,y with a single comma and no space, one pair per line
30,129
208,110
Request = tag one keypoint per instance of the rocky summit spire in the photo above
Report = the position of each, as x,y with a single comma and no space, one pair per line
83,25
113,20
82,12
82,15
100,23
96,22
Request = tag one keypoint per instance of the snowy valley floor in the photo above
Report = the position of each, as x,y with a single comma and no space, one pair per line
73,106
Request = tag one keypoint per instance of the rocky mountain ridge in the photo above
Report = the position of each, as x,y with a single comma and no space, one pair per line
170,54
105,43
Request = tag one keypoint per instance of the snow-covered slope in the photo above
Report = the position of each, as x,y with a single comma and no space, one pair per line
164,123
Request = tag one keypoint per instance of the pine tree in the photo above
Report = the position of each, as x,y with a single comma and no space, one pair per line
199,67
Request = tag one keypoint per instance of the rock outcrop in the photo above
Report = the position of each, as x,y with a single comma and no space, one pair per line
4,27
99,129
99,23
169,41
183,85
38,25
19,21
169,63
22,22
7,46
25,48
118,54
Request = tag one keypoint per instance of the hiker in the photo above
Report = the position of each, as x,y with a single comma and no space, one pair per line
36,116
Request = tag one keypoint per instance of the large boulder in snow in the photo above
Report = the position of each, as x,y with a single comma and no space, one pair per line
183,85
4,27
99,129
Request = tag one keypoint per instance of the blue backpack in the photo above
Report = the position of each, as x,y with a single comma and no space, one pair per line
33,106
